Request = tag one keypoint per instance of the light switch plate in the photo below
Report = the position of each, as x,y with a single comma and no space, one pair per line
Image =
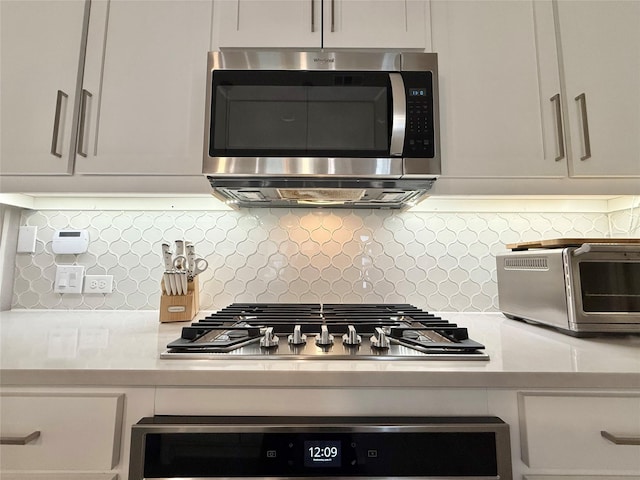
27,239
68,279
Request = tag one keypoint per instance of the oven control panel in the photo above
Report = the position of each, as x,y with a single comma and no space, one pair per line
439,447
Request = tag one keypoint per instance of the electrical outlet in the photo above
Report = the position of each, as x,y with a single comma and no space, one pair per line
98,284
68,279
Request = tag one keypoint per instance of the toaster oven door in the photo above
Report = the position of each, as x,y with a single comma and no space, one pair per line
606,288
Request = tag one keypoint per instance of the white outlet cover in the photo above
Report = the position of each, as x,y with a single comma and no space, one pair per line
68,279
98,284
27,239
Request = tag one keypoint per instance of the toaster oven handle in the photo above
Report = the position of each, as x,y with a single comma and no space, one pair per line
605,247
399,117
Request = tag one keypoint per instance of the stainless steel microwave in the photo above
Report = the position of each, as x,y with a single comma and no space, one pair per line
350,128
580,290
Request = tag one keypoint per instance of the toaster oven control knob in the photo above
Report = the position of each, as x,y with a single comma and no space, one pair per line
351,337
379,339
297,338
325,338
269,340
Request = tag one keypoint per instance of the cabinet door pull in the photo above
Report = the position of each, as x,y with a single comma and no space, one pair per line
313,16
20,440
559,129
619,439
83,120
582,100
333,16
56,123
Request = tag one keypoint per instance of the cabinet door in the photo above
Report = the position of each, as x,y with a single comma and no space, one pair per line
41,49
497,118
600,42
144,87
375,24
267,24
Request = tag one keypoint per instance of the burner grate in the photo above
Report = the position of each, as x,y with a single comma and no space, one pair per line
383,331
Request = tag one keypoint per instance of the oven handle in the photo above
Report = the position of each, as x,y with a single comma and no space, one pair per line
605,247
399,117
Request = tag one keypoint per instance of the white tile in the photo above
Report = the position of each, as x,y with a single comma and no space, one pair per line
442,260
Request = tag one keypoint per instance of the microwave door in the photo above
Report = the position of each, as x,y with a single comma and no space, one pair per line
399,115
321,114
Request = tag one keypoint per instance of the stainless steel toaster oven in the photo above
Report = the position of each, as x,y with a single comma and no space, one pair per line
581,290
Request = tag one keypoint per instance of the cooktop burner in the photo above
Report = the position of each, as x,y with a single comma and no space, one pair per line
324,331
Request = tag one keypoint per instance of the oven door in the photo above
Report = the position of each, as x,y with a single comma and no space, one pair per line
340,447
606,282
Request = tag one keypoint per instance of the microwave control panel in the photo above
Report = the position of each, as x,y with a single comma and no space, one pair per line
419,133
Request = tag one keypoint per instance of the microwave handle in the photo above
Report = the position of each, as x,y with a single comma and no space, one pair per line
399,118
604,247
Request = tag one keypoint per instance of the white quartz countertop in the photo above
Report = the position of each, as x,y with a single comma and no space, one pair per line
109,348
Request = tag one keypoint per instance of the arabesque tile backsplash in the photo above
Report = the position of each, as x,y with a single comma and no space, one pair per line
438,261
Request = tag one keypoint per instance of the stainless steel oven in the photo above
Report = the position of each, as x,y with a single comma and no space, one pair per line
354,128
172,447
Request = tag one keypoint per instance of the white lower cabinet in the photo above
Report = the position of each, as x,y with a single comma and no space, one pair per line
51,430
566,431
69,434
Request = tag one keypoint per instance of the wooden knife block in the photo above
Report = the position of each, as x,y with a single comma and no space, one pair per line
180,308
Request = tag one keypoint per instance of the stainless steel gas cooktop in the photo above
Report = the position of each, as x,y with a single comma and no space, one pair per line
324,332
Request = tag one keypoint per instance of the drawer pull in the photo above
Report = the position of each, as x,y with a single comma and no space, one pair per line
19,440
619,439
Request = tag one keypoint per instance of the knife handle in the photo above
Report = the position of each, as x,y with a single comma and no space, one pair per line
166,257
179,247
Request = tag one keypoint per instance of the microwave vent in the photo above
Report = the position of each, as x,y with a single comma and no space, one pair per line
313,195
250,195
529,263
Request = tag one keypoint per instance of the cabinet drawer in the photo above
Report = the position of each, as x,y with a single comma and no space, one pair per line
76,432
564,431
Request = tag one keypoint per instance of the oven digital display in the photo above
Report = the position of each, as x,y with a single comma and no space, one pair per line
322,453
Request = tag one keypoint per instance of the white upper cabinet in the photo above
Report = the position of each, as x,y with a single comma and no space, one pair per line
41,52
497,119
375,24
600,47
144,88
321,24
273,24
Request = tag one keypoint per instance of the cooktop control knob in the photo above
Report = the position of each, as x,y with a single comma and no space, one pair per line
379,339
269,340
351,337
297,338
325,338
